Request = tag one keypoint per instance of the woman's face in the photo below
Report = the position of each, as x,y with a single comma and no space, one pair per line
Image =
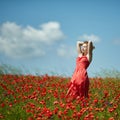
84,48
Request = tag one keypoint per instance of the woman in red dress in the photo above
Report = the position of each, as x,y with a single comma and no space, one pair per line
79,84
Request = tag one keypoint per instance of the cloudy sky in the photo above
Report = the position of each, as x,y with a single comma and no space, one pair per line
40,35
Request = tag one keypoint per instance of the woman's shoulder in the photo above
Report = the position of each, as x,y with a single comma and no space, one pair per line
79,56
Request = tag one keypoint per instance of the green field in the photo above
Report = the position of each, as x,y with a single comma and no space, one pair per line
27,97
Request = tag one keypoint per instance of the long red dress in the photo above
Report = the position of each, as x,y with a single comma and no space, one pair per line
79,84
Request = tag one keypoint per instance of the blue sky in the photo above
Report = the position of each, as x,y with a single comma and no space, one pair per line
40,35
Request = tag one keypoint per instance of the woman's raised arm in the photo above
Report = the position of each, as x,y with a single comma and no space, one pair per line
79,44
90,48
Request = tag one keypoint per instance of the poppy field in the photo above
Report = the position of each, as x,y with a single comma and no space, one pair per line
28,97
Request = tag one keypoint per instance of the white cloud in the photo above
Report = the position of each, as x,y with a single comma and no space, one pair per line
66,51
91,37
18,41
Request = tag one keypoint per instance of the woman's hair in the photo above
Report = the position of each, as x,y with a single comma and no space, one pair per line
86,42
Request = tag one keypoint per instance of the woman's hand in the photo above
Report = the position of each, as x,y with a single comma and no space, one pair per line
80,43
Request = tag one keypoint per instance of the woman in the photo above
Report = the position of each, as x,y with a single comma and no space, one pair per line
79,84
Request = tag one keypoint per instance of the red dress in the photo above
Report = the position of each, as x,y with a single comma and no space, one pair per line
79,84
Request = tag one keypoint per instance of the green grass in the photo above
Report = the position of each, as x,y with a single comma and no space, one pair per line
38,97
29,97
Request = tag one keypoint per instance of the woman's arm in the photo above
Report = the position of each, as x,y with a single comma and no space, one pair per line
79,44
90,48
